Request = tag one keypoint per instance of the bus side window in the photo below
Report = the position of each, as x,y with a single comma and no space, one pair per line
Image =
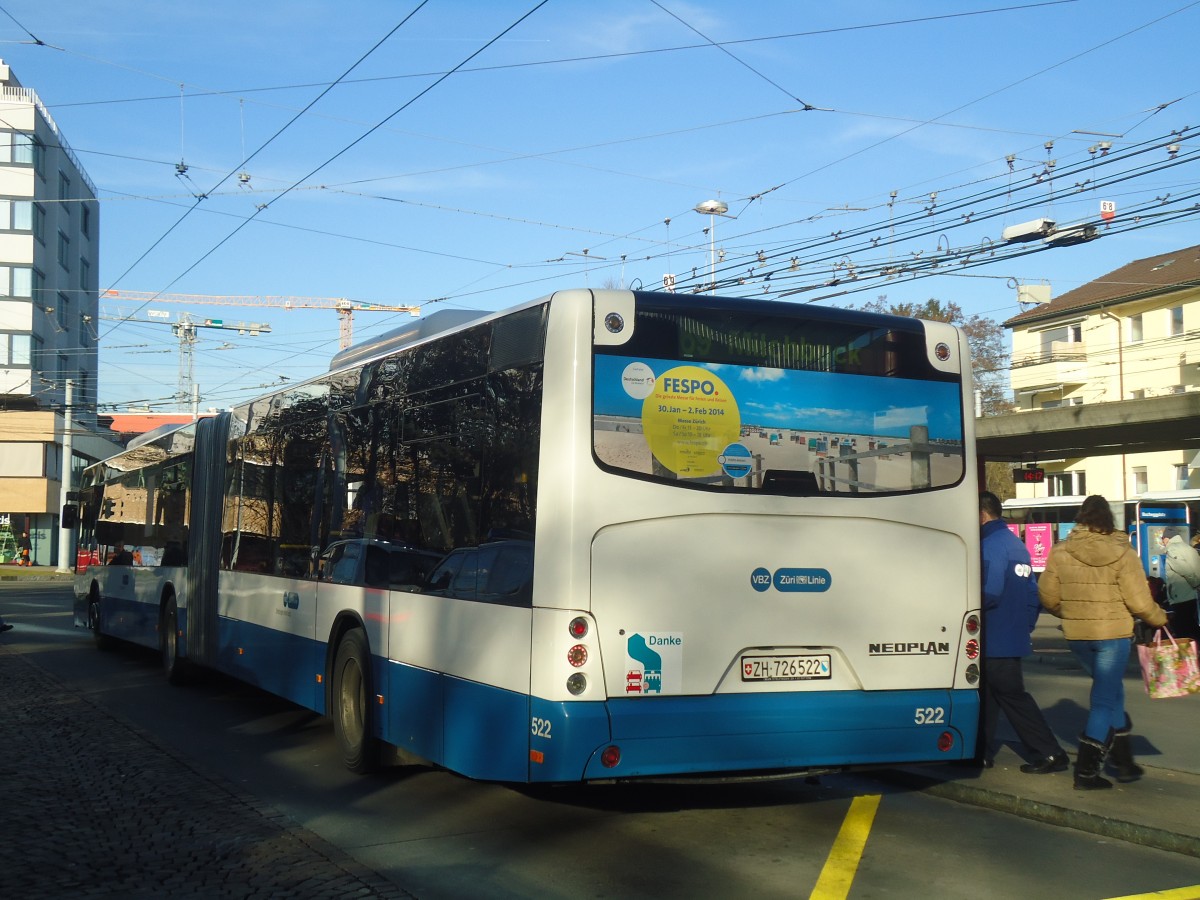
465,585
510,580
375,569
443,574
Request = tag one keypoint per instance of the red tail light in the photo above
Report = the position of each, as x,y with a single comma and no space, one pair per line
610,757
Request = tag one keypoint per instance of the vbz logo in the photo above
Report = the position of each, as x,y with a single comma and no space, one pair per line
760,579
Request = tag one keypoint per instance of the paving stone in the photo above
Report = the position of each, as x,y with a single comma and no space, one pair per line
93,807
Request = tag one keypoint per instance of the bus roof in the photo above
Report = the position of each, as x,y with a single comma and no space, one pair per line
1041,502
1076,500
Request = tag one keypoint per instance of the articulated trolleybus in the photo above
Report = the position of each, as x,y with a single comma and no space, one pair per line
604,535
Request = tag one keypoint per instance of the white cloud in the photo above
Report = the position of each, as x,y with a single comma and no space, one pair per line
761,374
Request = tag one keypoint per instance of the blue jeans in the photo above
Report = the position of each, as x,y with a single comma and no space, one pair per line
1105,661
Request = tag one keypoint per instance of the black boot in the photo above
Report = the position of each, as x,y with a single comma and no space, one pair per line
1120,755
1089,764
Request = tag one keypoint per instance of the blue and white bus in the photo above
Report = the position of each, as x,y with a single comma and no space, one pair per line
603,535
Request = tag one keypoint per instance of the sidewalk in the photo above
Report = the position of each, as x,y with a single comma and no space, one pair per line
1161,810
10,572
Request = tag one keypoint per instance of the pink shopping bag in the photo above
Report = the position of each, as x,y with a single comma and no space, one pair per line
1170,667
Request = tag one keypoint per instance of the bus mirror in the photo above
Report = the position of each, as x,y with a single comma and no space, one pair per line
70,516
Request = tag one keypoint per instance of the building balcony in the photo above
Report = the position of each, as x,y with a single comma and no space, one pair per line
1062,364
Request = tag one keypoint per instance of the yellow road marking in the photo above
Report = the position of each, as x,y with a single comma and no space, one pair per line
838,873
1183,893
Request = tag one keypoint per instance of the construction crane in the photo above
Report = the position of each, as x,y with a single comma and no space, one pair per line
184,328
345,308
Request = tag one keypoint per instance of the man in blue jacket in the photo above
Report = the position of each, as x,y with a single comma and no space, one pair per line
1010,611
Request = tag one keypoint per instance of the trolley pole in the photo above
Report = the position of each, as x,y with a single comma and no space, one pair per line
64,534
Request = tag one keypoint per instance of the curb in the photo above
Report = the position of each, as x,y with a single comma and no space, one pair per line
66,577
1103,826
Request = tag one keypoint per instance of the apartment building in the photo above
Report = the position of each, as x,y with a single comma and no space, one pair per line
49,279
1131,334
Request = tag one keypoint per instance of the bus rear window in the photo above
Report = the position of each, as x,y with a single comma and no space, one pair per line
777,398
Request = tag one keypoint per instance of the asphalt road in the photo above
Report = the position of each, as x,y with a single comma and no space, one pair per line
435,835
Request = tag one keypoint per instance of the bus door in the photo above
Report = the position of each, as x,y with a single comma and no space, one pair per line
204,546
1149,520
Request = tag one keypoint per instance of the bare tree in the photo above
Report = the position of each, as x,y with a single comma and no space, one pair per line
987,338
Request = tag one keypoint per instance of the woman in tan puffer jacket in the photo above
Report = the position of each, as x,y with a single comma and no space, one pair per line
1094,582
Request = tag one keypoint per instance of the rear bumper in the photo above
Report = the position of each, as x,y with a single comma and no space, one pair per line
742,733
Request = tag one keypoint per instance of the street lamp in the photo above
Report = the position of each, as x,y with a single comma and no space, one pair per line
712,209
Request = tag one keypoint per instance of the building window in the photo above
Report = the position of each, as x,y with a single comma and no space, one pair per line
20,282
39,223
1140,483
1181,477
1135,328
64,251
1063,334
16,215
23,148
23,282
14,349
85,273
85,220
64,192
1066,484
63,311
1176,328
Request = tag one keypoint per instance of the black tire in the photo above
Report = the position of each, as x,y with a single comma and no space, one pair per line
174,665
350,704
99,638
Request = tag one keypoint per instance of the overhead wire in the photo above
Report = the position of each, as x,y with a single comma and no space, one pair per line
677,251
264,145
355,142
596,57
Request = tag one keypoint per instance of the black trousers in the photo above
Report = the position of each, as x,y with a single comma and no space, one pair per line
1183,622
1004,690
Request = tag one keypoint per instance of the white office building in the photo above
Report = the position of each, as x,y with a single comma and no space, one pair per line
49,279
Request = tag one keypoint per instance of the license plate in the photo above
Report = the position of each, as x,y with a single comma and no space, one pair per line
786,667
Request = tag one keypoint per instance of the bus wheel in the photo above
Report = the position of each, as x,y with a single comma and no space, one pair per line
351,709
174,666
101,640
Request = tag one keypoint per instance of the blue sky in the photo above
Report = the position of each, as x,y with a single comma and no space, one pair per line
571,142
